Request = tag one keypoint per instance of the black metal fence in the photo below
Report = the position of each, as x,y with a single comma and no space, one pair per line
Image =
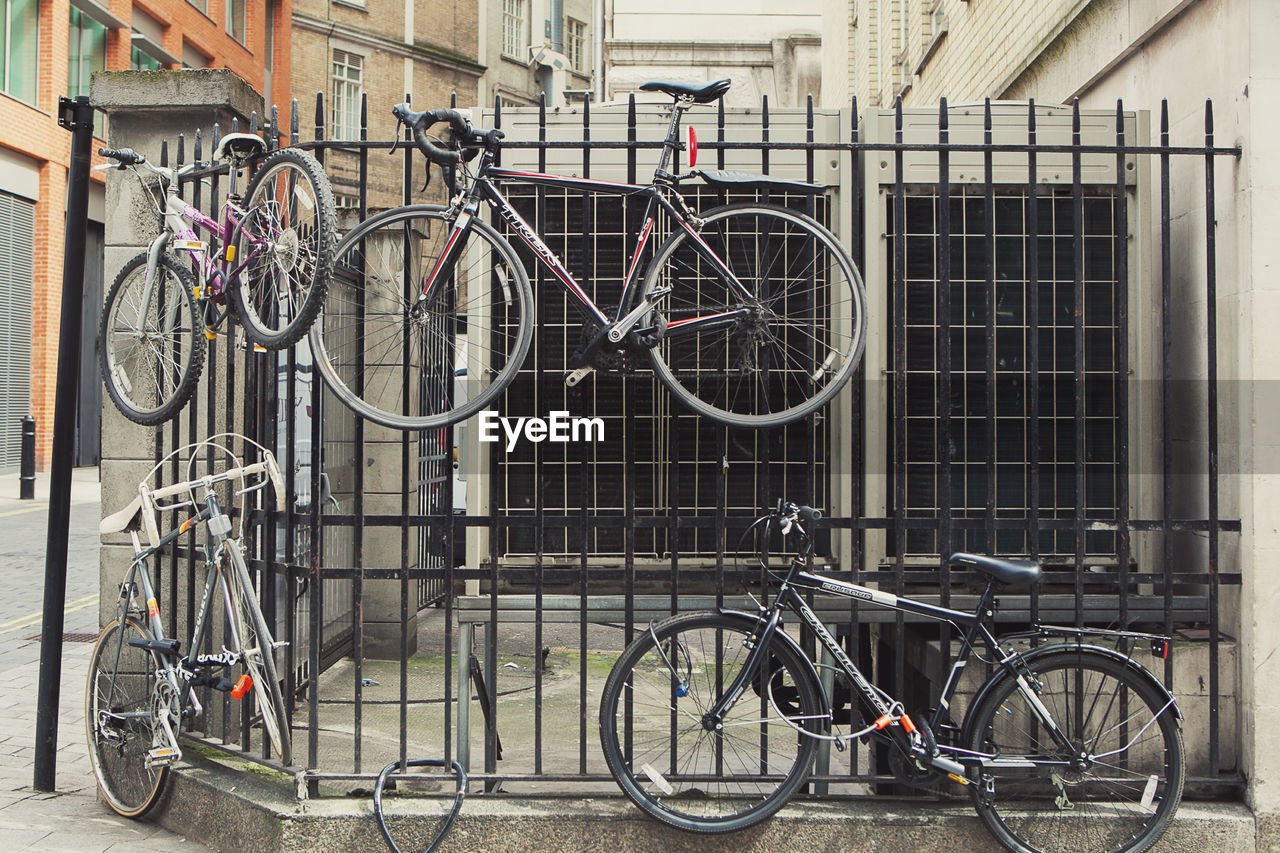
1009,403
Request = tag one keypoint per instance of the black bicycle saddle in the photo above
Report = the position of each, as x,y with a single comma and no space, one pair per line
699,94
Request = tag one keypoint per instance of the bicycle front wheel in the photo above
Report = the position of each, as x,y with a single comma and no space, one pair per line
772,347
286,245
253,640
120,721
1117,785
413,360
152,341
669,763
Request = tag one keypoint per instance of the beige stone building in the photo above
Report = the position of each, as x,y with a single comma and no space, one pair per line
765,48
387,49
536,47
1143,51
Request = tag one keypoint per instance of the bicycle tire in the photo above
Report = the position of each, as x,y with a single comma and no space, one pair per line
278,295
719,785
394,360
257,649
118,752
1122,804
151,361
804,331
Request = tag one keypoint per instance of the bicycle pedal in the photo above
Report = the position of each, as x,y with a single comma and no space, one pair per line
162,756
577,376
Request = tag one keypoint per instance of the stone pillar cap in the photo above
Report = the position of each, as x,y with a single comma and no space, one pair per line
206,88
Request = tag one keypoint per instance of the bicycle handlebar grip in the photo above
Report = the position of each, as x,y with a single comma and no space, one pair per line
808,513
419,122
126,156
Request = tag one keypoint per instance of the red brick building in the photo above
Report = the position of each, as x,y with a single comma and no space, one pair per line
50,48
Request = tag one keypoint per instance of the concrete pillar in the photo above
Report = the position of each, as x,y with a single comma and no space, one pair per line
145,108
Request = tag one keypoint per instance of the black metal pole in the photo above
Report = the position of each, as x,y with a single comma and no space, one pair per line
77,116
27,477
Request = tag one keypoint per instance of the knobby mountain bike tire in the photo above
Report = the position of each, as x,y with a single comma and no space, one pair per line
151,354
668,763
1121,798
288,237
119,719
790,346
412,363
257,651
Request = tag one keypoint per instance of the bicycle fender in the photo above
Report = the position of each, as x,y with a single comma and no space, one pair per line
1035,654
749,621
155,250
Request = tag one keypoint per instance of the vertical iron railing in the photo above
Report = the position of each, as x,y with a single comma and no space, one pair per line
667,550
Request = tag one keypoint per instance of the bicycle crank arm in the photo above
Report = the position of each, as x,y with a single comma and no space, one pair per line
620,329
576,376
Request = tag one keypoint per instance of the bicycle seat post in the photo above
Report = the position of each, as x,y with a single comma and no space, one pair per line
672,142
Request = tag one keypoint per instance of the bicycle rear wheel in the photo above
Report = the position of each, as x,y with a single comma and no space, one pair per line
287,242
152,343
772,355
1048,799
255,644
663,757
412,363
119,720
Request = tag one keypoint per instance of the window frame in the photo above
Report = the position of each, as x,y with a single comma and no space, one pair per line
346,91
514,41
6,52
577,57
230,20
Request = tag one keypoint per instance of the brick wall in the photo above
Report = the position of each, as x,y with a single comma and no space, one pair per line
32,130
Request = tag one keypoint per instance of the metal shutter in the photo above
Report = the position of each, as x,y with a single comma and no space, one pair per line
17,249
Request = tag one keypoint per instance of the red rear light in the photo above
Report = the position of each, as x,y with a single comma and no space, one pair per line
243,685
693,148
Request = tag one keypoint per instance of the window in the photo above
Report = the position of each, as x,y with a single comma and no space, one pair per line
348,71
140,60
513,43
235,19
20,39
575,44
202,5
86,53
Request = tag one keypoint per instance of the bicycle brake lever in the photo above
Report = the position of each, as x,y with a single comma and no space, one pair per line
427,182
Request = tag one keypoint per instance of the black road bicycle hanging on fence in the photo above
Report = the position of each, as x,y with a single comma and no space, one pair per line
710,721
751,314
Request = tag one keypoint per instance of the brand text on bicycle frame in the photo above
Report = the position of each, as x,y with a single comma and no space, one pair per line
557,427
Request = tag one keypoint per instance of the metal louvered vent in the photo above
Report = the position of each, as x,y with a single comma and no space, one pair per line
17,222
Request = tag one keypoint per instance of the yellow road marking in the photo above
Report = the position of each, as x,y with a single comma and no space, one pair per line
39,507
32,619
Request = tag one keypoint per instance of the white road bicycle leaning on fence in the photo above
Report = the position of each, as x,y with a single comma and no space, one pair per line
142,684
710,721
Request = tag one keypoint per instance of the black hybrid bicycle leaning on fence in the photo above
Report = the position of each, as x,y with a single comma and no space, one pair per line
710,721
142,684
751,314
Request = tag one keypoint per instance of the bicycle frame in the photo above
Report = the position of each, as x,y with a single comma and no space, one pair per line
180,221
631,308
974,630
138,585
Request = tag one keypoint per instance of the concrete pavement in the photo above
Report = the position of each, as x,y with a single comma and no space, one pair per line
72,818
